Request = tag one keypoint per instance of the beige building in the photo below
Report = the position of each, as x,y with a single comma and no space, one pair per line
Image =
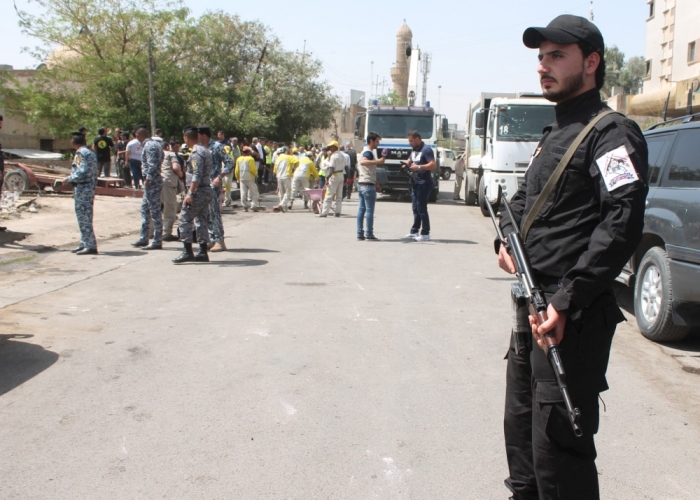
342,128
672,58
18,134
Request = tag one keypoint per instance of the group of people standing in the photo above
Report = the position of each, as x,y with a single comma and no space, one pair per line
206,168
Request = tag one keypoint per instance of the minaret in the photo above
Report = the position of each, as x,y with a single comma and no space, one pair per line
399,73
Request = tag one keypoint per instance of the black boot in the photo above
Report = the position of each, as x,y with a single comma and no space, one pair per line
202,255
186,256
87,251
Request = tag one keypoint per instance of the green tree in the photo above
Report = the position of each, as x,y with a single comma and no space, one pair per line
620,73
205,71
392,99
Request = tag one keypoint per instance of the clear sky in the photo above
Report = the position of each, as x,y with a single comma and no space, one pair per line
476,46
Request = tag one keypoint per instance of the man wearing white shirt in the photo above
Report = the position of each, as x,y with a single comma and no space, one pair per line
133,158
334,167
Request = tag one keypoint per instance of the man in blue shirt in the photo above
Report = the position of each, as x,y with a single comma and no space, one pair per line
422,162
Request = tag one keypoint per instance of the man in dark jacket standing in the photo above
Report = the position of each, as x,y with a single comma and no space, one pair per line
578,242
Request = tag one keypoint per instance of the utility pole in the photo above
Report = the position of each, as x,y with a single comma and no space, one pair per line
371,81
439,96
250,89
591,10
426,71
151,89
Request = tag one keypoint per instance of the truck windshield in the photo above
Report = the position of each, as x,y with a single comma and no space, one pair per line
395,126
523,123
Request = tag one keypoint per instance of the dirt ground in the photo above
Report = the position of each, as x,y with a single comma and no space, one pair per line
54,225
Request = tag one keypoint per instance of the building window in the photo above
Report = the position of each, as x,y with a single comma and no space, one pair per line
691,52
651,8
648,68
46,144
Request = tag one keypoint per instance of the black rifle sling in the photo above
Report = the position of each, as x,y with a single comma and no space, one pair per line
556,175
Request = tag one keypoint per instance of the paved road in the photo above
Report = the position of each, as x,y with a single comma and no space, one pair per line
299,364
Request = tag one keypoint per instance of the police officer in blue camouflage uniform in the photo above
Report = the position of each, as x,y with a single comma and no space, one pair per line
151,209
216,226
83,177
197,202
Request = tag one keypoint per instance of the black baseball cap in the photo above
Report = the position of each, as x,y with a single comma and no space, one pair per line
204,130
564,30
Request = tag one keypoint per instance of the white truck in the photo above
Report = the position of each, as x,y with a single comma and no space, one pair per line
503,131
393,123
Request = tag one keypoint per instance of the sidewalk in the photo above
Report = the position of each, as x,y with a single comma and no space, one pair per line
54,225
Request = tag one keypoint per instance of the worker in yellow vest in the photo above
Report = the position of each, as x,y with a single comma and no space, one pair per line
303,175
284,169
245,172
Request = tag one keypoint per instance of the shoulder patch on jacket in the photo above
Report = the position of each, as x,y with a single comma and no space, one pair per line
617,169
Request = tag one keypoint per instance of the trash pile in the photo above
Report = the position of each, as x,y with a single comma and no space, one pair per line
11,205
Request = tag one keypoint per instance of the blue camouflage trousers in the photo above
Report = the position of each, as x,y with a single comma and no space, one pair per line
151,210
216,226
196,215
84,195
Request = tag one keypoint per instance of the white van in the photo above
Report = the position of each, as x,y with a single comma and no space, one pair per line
447,160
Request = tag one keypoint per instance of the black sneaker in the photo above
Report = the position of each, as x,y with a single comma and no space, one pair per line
170,237
140,244
77,249
154,246
360,237
371,238
337,215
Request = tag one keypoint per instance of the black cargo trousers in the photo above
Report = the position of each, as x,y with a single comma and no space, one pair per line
545,459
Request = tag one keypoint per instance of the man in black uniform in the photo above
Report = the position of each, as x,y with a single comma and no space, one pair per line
585,232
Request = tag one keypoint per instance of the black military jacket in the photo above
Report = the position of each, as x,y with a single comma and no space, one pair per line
592,221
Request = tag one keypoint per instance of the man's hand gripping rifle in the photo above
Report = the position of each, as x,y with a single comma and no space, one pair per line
537,305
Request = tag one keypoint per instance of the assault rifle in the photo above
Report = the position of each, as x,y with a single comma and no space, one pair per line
537,303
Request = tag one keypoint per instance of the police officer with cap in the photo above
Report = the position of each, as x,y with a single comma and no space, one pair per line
578,241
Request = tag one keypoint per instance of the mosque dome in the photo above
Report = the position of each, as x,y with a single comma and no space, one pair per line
404,31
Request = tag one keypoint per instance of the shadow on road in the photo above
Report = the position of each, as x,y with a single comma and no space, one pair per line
21,361
124,253
252,250
443,241
9,239
233,263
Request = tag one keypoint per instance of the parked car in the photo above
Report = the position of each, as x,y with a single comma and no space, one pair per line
446,160
665,269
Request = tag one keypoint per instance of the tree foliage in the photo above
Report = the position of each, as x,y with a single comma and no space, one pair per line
620,73
205,71
392,99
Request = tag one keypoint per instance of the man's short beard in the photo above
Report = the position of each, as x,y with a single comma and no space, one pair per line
571,85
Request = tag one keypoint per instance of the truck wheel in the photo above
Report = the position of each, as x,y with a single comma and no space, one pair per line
482,199
446,174
16,181
434,195
469,196
653,296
